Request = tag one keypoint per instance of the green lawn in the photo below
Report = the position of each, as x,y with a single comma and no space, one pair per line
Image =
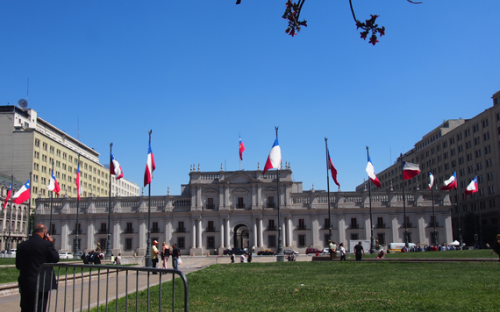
339,286
480,253
7,261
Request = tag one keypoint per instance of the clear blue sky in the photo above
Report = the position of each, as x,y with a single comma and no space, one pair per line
200,72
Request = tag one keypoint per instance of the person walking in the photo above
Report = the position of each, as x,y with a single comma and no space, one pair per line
119,259
30,255
154,254
342,252
176,254
332,249
358,250
165,254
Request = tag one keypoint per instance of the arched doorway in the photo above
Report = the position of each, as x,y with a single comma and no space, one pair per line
241,236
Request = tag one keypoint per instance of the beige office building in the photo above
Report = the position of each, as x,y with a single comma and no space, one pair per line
469,147
30,144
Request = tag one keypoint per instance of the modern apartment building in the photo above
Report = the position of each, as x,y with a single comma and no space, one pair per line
29,144
469,147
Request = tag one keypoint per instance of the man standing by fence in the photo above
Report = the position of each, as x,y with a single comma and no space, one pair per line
30,255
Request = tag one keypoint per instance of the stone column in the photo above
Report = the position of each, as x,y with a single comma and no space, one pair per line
228,233
64,237
222,233
421,232
261,233
199,234
193,234
254,233
116,246
395,230
290,232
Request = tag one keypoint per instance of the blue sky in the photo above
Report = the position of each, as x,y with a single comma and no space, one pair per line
200,72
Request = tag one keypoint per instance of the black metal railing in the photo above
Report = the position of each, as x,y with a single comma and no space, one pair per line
128,231
181,230
74,232
380,226
270,205
354,226
155,230
271,228
431,224
210,206
240,206
408,225
102,231
301,228
79,276
210,229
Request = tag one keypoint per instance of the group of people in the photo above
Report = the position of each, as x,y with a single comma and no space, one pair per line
92,257
332,248
165,253
244,258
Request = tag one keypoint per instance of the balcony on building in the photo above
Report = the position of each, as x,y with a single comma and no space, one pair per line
270,205
181,230
74,232
210,229
380,226
128,231
210,206
408,225
271,228
155,230
431,224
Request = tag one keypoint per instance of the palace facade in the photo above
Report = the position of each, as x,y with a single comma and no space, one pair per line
218,210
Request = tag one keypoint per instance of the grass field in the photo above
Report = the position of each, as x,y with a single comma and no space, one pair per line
339,286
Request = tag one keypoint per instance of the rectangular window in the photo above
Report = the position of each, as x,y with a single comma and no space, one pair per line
155,228
211,242
271,241
380,223
354,223
475,128
103,243
327,224
181,242
381,238
354,236
452,152
180,227
485,123
467,132
302,225
487,149
210,227
210,203
270,202
459,137
326,237
129,228
302,241
271,226
103,228
241,204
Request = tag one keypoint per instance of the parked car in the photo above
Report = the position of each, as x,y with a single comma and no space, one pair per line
235,251
66,255
266,252
289,252
312,251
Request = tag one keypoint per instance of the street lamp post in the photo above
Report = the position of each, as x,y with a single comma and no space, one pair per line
108,242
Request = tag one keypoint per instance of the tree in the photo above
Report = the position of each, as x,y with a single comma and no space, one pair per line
292,15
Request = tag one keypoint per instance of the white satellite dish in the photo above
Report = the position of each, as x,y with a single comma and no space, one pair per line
22,103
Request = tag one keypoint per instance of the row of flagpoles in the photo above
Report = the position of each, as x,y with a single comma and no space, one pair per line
410,170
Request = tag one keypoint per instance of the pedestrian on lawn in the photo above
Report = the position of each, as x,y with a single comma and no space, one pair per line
342,252
358,250
496,247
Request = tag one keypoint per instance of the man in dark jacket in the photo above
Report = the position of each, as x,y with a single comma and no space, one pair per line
30,255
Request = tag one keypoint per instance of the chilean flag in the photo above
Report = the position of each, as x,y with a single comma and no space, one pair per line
410,170
150,167
23,194
371,172
79,190
472,187
431,180
451,183
242,149
332,169
53,185
274,158
7,197
115,168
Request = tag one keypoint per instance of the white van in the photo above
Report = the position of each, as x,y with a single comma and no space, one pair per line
396,247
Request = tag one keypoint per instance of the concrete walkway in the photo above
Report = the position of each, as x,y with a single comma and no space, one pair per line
9,298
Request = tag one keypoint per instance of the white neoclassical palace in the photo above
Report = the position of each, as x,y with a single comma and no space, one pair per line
218,210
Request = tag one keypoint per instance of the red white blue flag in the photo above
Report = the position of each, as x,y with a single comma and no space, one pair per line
150,167
23,194
7,197
370,170
410,170
472,187
274,158
53,185
331,167
79,190
451,183
115,168
242,149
